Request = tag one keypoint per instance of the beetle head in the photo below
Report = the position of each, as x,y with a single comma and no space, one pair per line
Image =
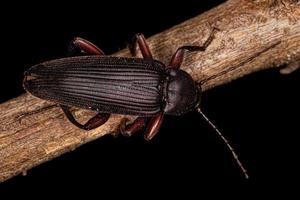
182,94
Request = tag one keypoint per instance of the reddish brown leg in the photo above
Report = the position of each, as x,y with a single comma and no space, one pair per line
151,130
94,122
154,126
140,40
89,48
134,127
86,46
139,123
177,58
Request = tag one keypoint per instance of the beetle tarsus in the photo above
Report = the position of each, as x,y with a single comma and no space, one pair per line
178,56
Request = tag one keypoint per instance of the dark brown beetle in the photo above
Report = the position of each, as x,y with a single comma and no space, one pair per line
132,86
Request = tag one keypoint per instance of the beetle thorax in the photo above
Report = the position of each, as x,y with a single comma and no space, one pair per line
181,93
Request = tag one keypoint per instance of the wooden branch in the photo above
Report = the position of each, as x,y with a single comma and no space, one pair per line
253,35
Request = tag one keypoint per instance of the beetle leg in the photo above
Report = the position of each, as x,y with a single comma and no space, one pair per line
177,58
130,129
92,123
85,46
154,126
140,40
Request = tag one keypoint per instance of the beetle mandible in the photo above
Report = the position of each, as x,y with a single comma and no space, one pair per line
133,86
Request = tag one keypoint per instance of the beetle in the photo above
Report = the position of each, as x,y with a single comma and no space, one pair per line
132,86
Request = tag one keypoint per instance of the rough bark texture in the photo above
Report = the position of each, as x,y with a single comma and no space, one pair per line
253,35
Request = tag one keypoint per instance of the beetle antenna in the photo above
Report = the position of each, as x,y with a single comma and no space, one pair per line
235,156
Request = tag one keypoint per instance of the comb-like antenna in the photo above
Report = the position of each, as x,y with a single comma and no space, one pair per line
235,156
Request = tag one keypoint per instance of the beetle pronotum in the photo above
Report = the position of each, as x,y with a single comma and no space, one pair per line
133,86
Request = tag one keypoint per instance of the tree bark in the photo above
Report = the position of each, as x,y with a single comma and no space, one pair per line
252,35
